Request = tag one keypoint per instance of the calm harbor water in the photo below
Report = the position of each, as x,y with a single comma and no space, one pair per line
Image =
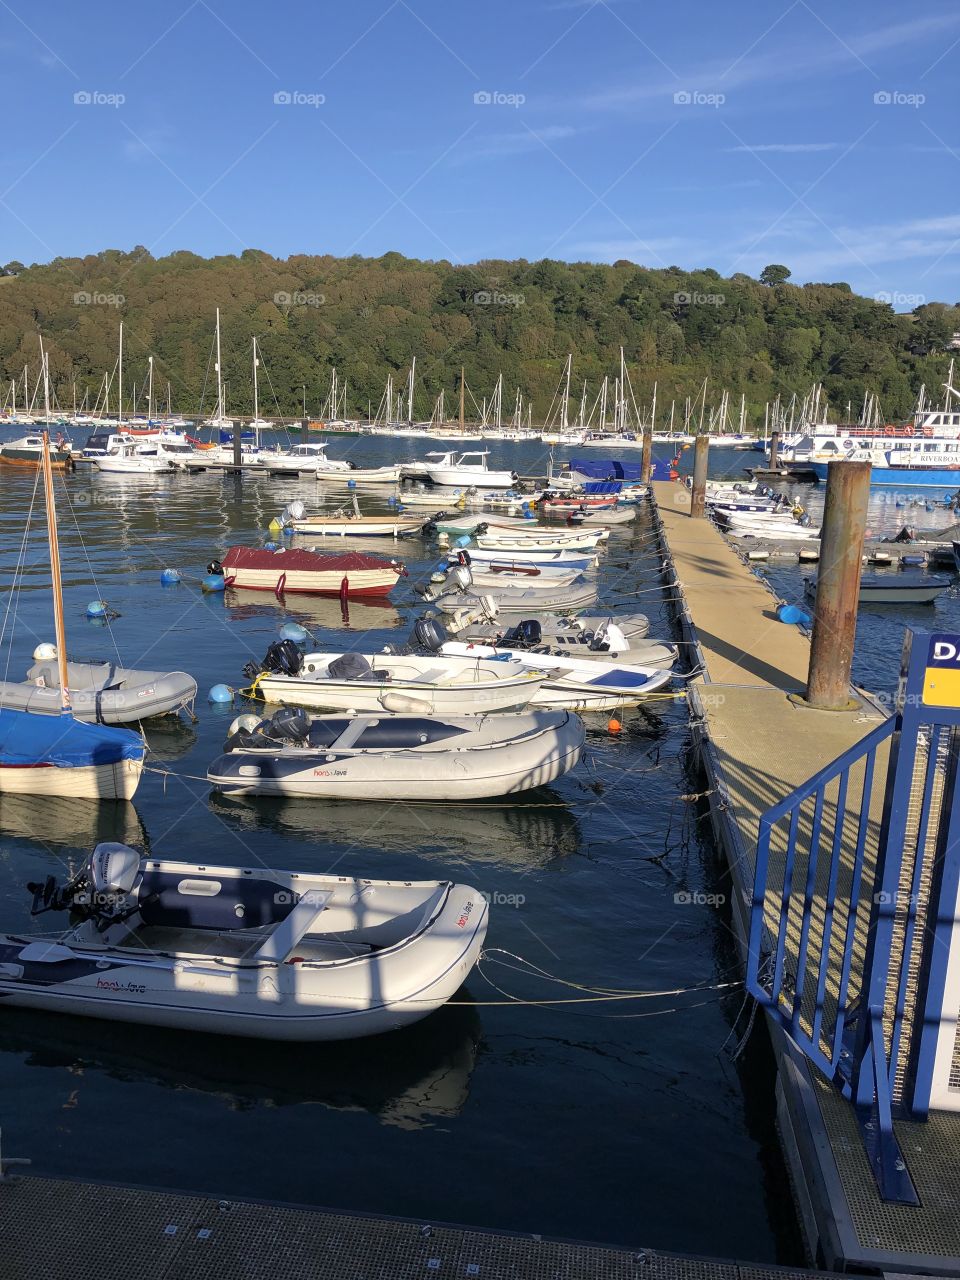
629,1125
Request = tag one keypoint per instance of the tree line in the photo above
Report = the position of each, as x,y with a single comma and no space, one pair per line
367,317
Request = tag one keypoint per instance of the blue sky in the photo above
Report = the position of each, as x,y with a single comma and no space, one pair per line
698,134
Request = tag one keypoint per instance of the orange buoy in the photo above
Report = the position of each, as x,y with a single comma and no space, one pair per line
614,726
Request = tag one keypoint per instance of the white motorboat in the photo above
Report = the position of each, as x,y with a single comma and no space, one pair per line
244,951
132,458
467,469
358,682
348,523
359,476
576,631
574,683
539,539
397,757
605,642
302,459
460,588
564,559
499,574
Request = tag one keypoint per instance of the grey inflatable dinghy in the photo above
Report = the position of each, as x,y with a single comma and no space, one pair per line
101,692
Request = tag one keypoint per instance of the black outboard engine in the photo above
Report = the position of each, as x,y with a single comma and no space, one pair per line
282,658
526,634
464,557
215,568
429,634
291,724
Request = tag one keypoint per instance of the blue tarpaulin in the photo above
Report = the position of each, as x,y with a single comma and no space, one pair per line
602,486
606,468
27,738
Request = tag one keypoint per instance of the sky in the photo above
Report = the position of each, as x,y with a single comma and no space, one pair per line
726,135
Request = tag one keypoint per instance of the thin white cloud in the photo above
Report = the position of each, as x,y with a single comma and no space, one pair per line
521,141
849,52
787,148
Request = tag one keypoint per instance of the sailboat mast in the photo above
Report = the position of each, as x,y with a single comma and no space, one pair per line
55,568
256,393
462,384
219,376
150,391
413,373
120,379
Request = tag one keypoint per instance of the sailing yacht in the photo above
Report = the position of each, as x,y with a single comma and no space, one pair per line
58,755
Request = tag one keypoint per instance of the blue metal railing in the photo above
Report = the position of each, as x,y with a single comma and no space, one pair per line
850,937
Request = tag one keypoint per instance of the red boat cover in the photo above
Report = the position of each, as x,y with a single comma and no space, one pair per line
305,561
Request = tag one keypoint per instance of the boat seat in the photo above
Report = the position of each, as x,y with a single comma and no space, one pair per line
210,901
82,675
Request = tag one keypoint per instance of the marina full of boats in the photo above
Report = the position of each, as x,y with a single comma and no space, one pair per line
481,700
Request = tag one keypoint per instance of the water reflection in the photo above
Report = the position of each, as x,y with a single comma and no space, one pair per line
414,1078
524,834
313,612
65,824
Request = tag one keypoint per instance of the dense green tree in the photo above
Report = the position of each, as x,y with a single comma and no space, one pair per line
775,273
368,317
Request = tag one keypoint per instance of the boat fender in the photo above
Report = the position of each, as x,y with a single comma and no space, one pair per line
281,583
402,703
45,653
220,693
791,614
97,609
463,541
170,577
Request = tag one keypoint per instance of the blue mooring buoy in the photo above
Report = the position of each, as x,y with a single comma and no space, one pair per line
220,693
213,582
97,609
792,613
294,631
169,577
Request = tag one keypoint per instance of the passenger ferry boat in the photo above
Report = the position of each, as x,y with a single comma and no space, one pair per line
924,451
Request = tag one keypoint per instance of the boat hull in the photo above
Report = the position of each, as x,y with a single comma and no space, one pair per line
117,781
947,478
539,749
352,996
358,528
304,572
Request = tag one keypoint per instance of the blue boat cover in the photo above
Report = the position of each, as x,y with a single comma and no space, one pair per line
27,738
602,486
248,437
606,469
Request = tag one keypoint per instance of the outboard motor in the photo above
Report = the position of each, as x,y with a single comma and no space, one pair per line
292,511
429,634
459,577
464,557
291,724
215,568
527,634
104,890
282,658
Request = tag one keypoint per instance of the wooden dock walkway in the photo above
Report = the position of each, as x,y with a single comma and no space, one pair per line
756,745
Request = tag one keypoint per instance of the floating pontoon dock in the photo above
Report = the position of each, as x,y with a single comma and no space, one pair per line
757,744
54,1228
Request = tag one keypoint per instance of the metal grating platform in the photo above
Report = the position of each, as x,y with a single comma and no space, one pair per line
55,1229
